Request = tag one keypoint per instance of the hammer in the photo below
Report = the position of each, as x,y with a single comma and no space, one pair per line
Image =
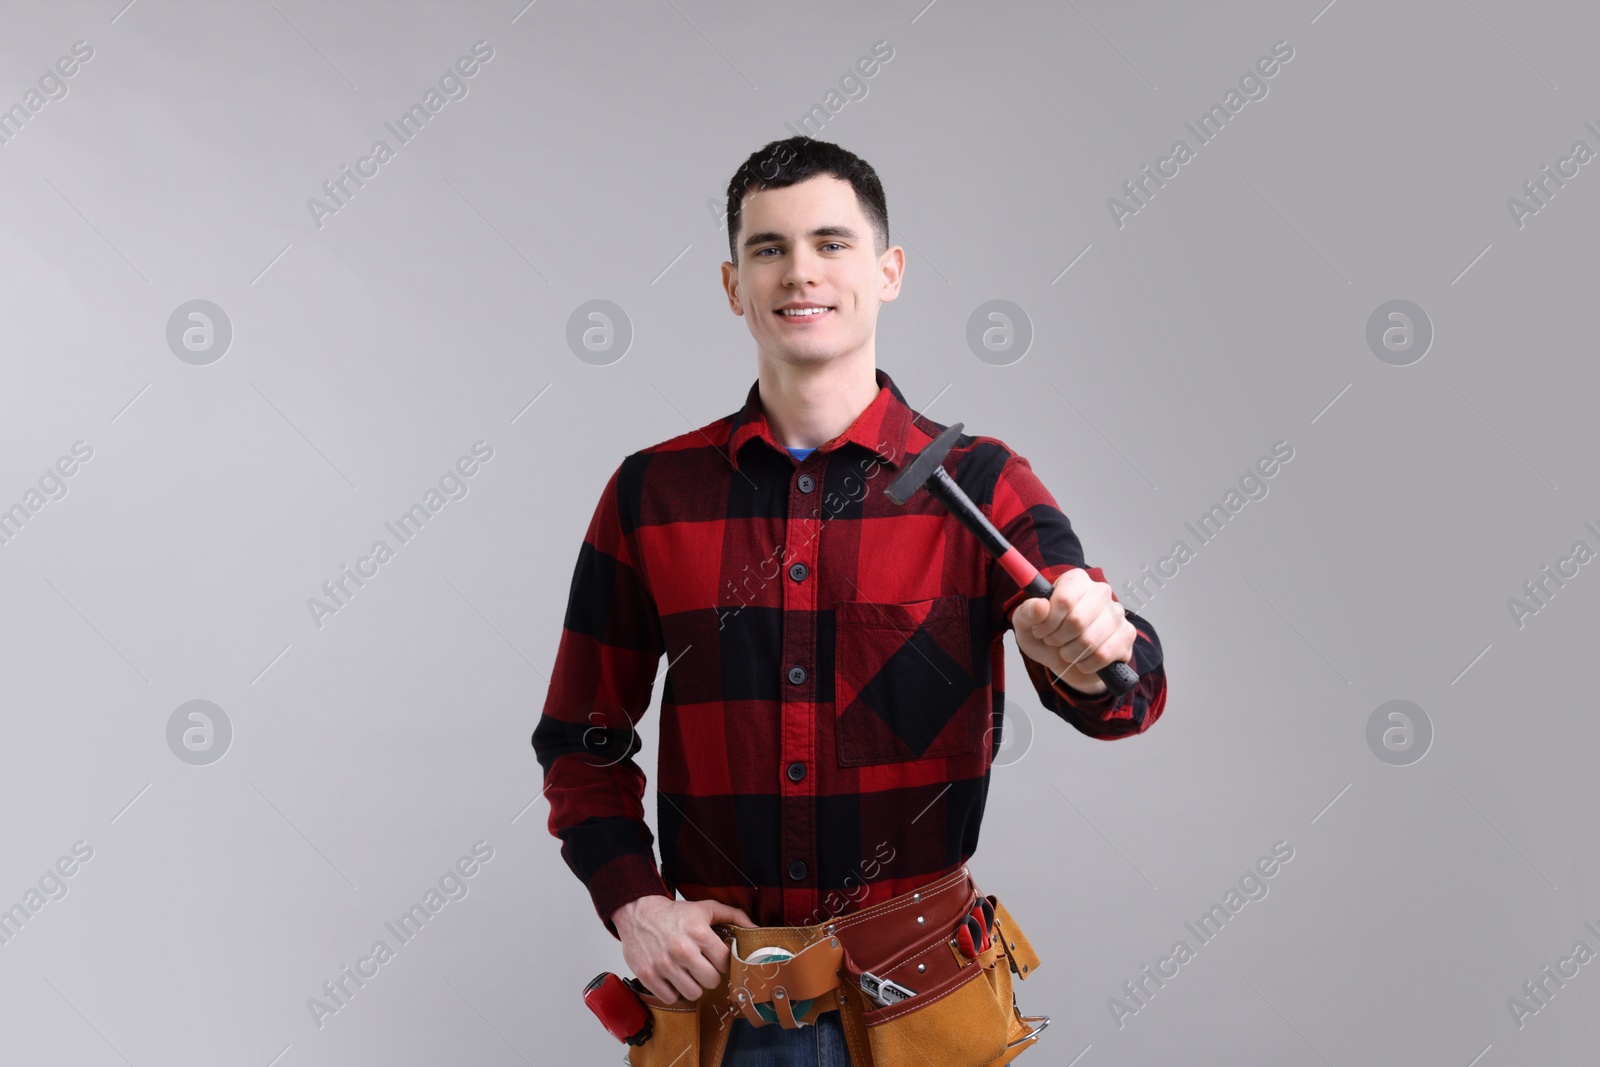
927,471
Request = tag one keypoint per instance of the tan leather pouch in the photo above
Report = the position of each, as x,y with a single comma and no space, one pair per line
965,1019
955,1023
675,1038
1017,961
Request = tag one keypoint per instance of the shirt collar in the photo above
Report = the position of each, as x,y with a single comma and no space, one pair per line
882,427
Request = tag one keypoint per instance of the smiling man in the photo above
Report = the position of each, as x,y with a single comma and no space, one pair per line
832,703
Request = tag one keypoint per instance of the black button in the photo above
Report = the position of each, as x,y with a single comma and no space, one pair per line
797,771
797,870
805,483
799,571
797,675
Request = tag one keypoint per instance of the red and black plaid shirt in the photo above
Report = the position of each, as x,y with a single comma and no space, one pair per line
835,679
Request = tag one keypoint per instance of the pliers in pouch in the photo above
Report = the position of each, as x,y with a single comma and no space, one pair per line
973,932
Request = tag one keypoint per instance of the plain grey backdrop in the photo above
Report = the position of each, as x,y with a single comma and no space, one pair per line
246,387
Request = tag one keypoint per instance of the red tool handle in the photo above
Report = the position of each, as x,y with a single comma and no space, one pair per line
972,935
1119,677
617,1005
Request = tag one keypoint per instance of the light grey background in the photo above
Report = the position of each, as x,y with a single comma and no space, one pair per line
431,312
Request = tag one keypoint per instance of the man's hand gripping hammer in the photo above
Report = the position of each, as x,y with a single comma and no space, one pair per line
927,471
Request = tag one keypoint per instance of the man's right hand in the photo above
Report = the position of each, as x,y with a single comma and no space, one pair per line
670,946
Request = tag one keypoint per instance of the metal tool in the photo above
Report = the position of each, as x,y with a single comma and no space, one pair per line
1036,1023
927,471
884,990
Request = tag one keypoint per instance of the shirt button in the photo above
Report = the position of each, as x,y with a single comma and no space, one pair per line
797,870
797,771
797,675
805,483
799,571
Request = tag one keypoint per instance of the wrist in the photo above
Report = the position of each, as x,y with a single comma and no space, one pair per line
1091,686
622,917
1081,684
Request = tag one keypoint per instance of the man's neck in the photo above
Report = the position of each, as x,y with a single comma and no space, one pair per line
807,406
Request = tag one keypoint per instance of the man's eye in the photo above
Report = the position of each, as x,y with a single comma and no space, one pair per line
833,244
764,251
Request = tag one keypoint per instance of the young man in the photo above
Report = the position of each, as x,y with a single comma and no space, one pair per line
832,702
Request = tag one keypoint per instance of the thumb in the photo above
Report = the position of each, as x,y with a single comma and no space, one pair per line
721,912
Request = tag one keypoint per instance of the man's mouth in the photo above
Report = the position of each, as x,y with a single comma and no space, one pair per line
804,314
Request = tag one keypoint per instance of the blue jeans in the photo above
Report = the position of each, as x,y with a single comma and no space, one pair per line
821,1044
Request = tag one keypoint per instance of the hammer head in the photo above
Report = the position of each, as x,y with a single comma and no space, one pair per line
919,470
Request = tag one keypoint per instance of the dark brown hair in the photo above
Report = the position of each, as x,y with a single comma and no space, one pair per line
793,160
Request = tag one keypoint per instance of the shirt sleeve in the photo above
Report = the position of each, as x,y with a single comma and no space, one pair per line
585,739
1025,513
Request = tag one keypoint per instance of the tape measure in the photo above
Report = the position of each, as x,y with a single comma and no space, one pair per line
772,954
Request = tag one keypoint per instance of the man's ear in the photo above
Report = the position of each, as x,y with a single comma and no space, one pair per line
892,264
730,285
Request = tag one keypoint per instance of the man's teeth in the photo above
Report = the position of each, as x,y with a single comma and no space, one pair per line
804,311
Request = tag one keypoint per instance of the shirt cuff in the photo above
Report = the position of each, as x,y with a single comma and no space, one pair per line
1098,705
623,880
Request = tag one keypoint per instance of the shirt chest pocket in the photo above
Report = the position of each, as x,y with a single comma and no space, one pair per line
903,681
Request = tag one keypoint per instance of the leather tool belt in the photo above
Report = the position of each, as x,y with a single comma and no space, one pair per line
943,1007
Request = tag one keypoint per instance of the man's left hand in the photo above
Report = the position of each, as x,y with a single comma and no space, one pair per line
1076,631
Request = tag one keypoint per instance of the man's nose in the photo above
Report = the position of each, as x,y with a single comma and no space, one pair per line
803,268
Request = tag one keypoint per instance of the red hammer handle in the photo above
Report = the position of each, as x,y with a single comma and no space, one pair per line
1119,677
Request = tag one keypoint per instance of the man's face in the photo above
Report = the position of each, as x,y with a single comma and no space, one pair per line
809,244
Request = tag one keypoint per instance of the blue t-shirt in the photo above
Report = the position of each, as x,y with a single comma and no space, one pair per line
801,453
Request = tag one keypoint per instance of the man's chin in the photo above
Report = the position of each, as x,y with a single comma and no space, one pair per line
809,354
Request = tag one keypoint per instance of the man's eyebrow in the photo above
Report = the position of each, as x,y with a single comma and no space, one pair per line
770,236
